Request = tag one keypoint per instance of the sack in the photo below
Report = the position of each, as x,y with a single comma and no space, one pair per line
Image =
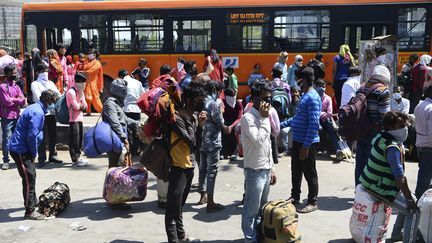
281,102
101,139
156,158
279,222
148,101
353,118
369,219
425,205
62,110
237,130
125,184
54,199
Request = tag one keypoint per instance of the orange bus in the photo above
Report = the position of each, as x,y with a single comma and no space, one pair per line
244,32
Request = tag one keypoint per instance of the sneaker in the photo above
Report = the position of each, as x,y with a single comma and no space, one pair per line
79,163
189,239
56,160
5,166
234,158
35,215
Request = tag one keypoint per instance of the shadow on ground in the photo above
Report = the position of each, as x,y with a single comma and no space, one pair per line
202,215
342,241
329,203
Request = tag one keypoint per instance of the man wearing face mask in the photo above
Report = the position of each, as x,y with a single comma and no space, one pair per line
95,82
383,176
76,103
23,147
292,81
191,73
233,112
397,102
183,141
11,100
37,87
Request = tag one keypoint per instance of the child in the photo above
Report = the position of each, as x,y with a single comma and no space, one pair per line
79,65
231,81
77,105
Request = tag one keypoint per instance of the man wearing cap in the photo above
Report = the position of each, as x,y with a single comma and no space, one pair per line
281,62
378,103
291,79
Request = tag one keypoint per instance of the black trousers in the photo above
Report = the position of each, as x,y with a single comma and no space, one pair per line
229,143
275,151
180,181
113,159
133,139
27,172
75,140
50,132
337,87
307,168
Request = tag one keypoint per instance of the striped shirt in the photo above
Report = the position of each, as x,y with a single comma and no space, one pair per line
378,102
305,123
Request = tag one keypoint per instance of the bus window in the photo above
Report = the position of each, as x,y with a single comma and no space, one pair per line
31,38
66,37
93,32
412,28
149,33
302,29
252,37
50,38
247,31
191,35
122,35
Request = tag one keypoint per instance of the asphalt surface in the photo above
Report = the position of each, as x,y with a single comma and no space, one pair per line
145,221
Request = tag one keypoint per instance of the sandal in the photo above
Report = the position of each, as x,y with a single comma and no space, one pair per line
215,207
308,208
203,199
293,201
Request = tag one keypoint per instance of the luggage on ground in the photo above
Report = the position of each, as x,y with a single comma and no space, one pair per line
353,119
125,184
369,218
279,222
425,225
101,139
54,199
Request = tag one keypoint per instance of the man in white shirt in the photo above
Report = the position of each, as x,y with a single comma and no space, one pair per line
258,161
397,102
134,91
351,86
37,87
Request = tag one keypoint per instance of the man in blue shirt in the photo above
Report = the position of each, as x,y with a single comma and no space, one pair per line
305,126
23,147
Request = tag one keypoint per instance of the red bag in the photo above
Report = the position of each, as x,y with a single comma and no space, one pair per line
148,101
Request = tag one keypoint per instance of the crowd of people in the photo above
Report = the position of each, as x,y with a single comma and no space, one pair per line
289,114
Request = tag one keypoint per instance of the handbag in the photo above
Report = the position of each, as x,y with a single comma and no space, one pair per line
157,159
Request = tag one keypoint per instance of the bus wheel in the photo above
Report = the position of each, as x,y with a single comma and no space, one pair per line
106,89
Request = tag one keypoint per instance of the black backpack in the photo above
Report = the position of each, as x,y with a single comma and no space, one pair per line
318,68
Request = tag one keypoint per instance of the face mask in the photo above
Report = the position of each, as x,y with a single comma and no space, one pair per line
13,77
400,134
320,91
199,106
299,63
214,96
231,101
91,57
80,86
382,59
51,107
397,96
43,76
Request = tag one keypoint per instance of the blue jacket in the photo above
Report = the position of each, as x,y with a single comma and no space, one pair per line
28,133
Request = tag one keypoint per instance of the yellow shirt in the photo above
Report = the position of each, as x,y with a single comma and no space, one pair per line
180,153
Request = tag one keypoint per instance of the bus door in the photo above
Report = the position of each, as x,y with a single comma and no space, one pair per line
354,33
55,35
191,34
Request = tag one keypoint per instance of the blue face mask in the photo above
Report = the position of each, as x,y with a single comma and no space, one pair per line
214,96
51,107
320,91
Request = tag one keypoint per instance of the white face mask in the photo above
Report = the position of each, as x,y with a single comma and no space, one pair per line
382,59
400,134
43,76
91,56
80,86
397,96
299,63
231,101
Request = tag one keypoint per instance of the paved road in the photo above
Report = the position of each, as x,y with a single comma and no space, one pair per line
145,222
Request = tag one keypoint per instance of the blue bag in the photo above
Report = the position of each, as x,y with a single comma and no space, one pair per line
61,110
101,139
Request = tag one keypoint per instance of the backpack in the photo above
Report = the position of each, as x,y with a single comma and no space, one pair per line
281,102
54,199
353,118
317,67
62,110
405,80
279,222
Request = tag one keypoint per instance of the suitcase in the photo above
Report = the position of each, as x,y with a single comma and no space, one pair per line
125,184
54,199
279,222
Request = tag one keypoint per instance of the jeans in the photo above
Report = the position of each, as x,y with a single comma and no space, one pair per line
338,142
50,127
284,138
208,170
424,175
75,140
257,187
409,221
363,152
27,172
180,181
8,127
306,167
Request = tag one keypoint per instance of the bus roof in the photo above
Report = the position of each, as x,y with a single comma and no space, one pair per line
191,4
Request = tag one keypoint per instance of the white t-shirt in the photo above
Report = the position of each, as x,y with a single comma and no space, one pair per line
349,89
134,91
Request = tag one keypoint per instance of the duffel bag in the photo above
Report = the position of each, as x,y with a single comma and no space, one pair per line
54,199
125,184
101,139
279,222
425,225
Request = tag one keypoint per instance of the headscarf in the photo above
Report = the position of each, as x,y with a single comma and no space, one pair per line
3,53
345,52
425,59
36,57
281,58
381,73
52,54
118,88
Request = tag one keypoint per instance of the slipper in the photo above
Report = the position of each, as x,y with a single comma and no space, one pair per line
293,201
308,208
215,207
